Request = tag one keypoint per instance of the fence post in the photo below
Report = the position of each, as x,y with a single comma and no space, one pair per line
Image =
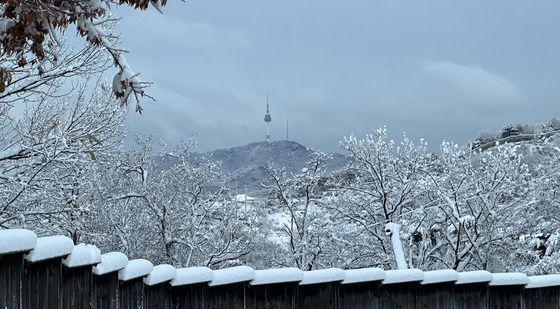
319,289
506,290
189,288
13,245
131,283
360,289
542,292
471,289
274,289
77,276
157,291
436,290
398,289
228,287
106,280
42,284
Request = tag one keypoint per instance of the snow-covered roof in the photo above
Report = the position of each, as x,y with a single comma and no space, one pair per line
16,240
83,255
135,269
160,274
232,275
277,275
244,198
110,262
403,276
543,281
440,276
322,276
470,277
50,247
363,275
192,275
499,279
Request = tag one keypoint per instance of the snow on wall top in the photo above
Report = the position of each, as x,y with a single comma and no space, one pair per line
543,281
509,279
232,275
110,262
440,276
161,273
322,276
277,275
403,275
363,275
83,255
192,275
16,240
135,269
50,247
470,277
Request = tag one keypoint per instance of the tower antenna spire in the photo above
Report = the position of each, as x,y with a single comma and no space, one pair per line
267,119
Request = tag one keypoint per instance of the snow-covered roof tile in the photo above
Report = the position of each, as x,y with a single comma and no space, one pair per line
16,240
403,276
135,269
440,276
50,247
161,273
363,275
470,277
322,276
83,255
192,275
277,275
509,279
543,281
110,262
232,275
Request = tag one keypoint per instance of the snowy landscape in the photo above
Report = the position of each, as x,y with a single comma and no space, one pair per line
71,164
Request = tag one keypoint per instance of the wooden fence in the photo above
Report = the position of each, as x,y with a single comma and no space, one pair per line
50,272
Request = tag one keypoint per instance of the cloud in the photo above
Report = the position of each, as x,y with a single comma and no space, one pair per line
475,83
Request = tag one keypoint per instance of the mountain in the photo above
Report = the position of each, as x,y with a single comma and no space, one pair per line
244,166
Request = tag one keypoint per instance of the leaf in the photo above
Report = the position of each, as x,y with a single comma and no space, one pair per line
92,139
92,155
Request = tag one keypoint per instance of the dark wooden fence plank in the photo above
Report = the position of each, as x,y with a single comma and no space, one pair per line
322,295
435,296
501,297
364,295
272,296
11,278
471,296
231,296
42,285
77,287
105,291
399,296
157,296
189,296
542,298
131,293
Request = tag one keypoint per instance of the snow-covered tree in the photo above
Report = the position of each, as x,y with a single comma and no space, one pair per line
306,229
47,155
33,52
385,182
171,208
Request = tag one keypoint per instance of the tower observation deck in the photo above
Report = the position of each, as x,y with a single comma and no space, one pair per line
267,120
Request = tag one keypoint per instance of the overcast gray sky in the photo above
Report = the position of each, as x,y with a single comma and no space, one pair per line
434,69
